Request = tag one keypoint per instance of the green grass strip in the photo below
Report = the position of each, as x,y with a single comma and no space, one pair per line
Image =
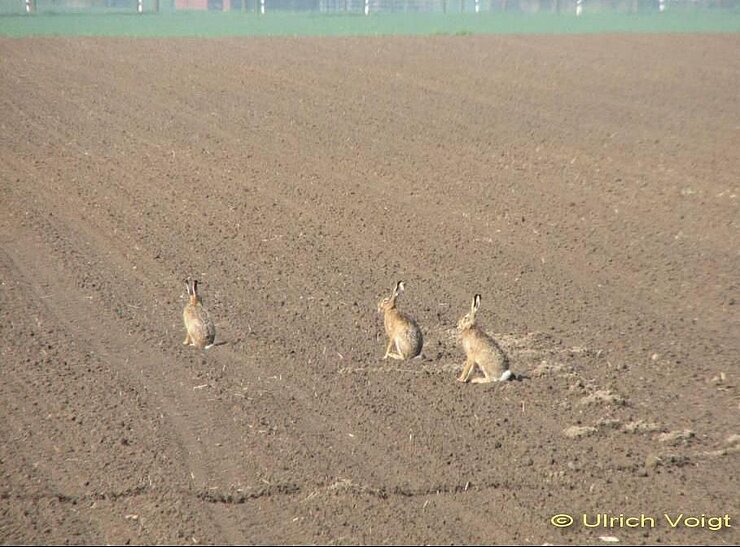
210,24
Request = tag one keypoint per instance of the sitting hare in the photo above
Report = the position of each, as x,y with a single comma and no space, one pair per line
201,332
482,350
404,336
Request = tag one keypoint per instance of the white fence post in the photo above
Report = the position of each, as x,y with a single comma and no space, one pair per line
28,6
367,7
140,6
661,5
477,6
262,7
579,7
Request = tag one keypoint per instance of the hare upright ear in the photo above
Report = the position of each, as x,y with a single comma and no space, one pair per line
187,285
195,287
400,287
476,303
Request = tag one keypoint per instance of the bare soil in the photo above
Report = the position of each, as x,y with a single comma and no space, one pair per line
586,186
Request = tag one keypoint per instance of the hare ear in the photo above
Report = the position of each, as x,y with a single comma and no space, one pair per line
400,287
476,303
195,287
187,285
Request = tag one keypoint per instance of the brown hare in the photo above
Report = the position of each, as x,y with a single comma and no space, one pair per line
404,336
482,350
201,332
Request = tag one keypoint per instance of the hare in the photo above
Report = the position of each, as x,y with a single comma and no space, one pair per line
201,332
403,333
482,350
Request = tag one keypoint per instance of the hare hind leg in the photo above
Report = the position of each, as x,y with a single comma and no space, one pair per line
485,379
482,380
188,341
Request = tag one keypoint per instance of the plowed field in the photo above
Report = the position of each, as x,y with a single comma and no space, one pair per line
585,186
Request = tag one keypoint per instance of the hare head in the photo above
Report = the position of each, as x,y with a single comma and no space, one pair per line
192,288
469,319
389,302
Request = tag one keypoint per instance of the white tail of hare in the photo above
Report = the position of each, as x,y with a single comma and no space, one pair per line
482,350
403,333
201,332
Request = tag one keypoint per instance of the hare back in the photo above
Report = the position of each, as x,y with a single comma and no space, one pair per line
409,341
199,325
